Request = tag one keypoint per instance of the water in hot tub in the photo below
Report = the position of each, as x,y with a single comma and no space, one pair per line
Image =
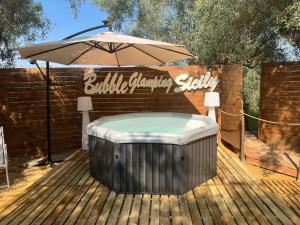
161,124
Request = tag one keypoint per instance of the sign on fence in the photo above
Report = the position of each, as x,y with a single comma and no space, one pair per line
117,83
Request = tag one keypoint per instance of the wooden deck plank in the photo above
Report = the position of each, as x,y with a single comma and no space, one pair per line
229,179
69,195
30,192
73,174
124,215
226,215
254,196
238,199
165,210
31,212
184,210
145,210
273,186
212,205
106,208
238,209
89,205
72,204
260,154
61,206
294,185
135,210
116,208
292,203
101,199
38,204
34,200
80,175
288,199
49,207
154,214
195,213
85,178
74,155
288,189
283,213
203,208
174,208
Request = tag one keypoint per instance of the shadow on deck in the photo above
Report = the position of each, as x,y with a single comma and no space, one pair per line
68,195
260,154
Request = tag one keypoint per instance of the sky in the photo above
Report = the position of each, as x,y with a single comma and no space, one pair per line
64,24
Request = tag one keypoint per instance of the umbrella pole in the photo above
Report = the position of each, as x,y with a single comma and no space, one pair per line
48,82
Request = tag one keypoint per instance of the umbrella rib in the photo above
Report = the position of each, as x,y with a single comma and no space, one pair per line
171,50
119,45
149,54
50,50
95,45
81,54
116,55
127,46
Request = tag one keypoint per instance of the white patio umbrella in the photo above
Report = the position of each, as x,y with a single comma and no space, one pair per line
107,48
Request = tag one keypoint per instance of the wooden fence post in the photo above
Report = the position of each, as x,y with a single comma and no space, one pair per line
242,141
220,126
298,173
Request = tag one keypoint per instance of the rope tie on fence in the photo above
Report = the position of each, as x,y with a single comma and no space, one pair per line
267,121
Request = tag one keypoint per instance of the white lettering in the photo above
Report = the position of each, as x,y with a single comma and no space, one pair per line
115,83
180,82
186,83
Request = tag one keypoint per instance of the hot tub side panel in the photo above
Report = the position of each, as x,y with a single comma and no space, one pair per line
153,168
149,168
200,160
101,159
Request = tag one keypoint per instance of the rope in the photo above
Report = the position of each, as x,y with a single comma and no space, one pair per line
267,121
274,122
230,114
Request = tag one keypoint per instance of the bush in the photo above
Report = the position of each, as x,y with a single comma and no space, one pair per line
251,92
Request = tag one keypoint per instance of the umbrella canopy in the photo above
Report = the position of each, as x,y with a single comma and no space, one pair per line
107,48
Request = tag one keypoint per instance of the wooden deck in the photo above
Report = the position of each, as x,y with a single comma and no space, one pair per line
260,154
68,195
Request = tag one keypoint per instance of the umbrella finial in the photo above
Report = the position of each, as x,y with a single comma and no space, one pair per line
105,22
32,61
108,24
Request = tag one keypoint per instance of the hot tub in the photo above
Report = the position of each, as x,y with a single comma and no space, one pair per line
157,153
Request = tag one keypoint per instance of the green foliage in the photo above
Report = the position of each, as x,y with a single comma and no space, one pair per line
251,92
289,19
216,31
20,21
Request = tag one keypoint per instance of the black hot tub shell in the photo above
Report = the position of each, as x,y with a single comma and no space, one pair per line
156,168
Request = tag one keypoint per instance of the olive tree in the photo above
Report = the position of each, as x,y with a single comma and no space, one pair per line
21,21
216,31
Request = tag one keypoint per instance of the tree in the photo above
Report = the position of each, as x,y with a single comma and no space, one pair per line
20,21
217,31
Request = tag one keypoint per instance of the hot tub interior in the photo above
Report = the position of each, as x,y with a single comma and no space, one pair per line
153,123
